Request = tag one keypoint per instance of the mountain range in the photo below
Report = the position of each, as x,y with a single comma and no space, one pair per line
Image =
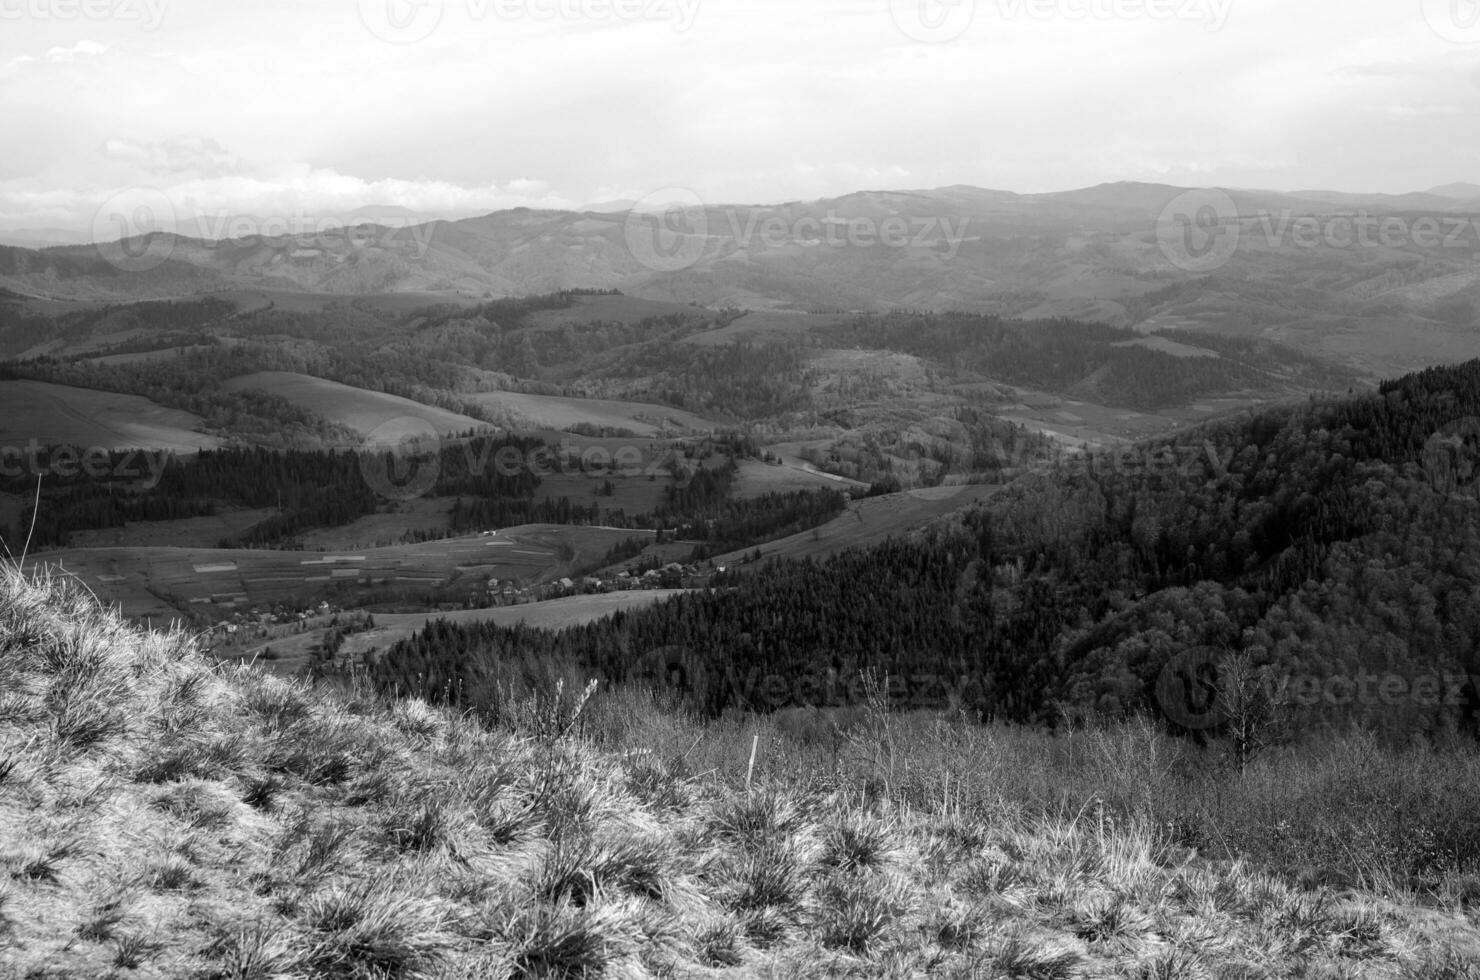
1401,294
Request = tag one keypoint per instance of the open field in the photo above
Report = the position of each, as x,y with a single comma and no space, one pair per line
633,494
389,418
558,412
1167,346
756,477
868,522
187,532
83,417
1076,422
167,582
378,530
292,651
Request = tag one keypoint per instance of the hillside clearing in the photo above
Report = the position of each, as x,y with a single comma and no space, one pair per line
867,522
560,412
169,582
53,414
386,418
292,652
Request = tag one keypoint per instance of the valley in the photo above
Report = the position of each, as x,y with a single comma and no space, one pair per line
592,409
666,490
1069,483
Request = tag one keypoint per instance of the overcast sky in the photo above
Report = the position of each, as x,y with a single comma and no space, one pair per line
268,106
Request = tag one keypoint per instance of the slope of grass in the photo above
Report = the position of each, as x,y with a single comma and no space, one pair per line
164,817
54,414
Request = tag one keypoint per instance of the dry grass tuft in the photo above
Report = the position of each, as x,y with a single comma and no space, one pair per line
162,816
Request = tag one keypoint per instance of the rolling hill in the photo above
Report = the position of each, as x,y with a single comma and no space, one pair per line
54,414
383,419
1096,253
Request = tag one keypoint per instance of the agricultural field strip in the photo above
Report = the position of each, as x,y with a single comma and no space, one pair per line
144,577
548,614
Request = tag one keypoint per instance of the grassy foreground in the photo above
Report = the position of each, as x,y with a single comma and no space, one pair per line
163,816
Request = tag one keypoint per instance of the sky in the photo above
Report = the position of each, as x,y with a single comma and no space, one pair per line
288,107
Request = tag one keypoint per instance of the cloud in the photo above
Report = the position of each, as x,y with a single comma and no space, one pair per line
82,49
289,193
763,100
194,155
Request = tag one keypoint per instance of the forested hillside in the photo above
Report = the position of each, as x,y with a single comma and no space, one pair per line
1093,360
1327,540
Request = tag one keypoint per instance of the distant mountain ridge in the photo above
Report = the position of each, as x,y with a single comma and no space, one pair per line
1096,253
1463,190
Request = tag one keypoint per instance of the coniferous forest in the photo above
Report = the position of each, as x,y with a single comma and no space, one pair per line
1336,539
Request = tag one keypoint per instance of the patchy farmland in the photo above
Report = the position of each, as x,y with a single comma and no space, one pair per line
174,583
293,651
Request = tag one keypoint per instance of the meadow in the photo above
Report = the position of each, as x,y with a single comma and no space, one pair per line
164,816
868,521
293,652
384,419
38,412
170,582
